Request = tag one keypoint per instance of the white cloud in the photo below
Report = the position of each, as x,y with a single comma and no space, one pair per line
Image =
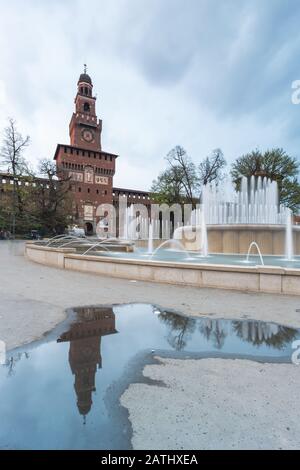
202,74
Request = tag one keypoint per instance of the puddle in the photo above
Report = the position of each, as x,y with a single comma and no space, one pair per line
63,392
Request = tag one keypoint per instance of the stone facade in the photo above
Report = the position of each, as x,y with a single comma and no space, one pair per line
89,168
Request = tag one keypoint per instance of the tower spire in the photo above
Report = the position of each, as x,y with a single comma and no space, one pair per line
85,68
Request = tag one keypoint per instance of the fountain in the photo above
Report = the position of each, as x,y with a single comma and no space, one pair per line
211,250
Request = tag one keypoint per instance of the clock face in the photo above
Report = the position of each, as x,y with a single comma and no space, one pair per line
87,135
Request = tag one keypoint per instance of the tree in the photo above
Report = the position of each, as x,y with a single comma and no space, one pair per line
274,164
180,329
290,195
212,167
11,154
182,181
179,161
168,187
53,205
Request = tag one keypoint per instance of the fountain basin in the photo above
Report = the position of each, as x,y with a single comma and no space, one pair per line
236,238
219,271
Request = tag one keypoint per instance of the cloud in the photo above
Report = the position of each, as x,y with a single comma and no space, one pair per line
199,73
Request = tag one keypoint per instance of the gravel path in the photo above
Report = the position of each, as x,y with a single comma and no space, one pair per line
216,404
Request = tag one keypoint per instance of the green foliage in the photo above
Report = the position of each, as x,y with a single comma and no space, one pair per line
290,194
53,203
275,164
168,187
31,203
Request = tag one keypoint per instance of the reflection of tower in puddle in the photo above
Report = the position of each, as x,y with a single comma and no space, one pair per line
84,353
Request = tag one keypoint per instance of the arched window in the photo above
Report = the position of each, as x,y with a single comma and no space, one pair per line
86,107
86,90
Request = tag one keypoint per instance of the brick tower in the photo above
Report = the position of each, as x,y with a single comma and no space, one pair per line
89,168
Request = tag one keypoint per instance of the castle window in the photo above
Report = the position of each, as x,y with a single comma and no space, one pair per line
86,107
86,90
81,89
88,190
79,190
97,191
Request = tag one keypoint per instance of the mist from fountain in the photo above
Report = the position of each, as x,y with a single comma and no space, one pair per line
254,244
204,238
289,245
256,202
150,239
80,241
95,245
171,241
59,238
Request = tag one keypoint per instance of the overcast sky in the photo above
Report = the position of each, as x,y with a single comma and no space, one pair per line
203,74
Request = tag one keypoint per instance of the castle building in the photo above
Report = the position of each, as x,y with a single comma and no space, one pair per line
89,167
85,165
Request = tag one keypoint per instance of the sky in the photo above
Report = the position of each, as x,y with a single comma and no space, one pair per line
202,74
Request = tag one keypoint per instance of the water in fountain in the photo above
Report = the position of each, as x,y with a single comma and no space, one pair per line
289,245
255,203
150,239
252,245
